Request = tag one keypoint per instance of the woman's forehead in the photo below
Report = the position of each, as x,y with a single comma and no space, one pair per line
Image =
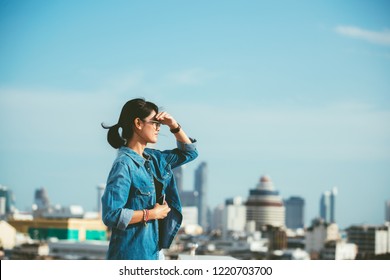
152,115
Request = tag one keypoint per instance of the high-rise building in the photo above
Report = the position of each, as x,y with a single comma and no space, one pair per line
7,202
328,206
189,198
294,212
41,199
234,216
217,219
387,211
100,191
178,173
201,189
190,216
265,206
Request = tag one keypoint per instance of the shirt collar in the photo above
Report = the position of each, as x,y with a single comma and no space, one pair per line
134,155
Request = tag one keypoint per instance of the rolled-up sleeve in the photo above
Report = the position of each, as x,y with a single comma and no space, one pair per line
184,153
187,147
114,213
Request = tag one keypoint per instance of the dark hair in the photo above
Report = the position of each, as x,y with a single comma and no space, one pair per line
135,108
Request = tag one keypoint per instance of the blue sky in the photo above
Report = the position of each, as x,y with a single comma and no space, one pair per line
298,91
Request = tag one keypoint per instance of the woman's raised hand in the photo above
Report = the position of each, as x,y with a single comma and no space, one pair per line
166,119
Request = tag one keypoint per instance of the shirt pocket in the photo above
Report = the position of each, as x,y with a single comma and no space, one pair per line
166,173
144,198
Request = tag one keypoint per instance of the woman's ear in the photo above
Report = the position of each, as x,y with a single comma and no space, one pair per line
137,123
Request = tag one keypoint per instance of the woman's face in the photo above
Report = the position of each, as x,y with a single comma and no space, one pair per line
150,128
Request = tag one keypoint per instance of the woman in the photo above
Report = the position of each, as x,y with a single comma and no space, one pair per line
141,203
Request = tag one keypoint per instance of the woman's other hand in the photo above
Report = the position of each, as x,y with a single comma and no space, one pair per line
160,211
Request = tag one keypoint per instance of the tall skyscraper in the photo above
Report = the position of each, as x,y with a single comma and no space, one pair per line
328,206
295,212
387,212
333,195
189,198
325,206
201,189
265,206
178,173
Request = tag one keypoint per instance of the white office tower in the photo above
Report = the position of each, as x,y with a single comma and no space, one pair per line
234,216
265,206
190,216
3,202
190,221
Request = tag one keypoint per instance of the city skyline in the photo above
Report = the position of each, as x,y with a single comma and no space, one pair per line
326,205
296,92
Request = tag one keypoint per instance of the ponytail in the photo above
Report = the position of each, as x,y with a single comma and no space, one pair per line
135,108
113,136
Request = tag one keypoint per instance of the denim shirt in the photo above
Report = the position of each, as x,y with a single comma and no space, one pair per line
131,186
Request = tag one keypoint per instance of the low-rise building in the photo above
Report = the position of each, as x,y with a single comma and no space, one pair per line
70,229
339,250
7,236
76,250
371,240
317,235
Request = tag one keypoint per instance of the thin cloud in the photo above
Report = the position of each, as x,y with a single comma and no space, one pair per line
376,37
126,82
342,131
190,77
